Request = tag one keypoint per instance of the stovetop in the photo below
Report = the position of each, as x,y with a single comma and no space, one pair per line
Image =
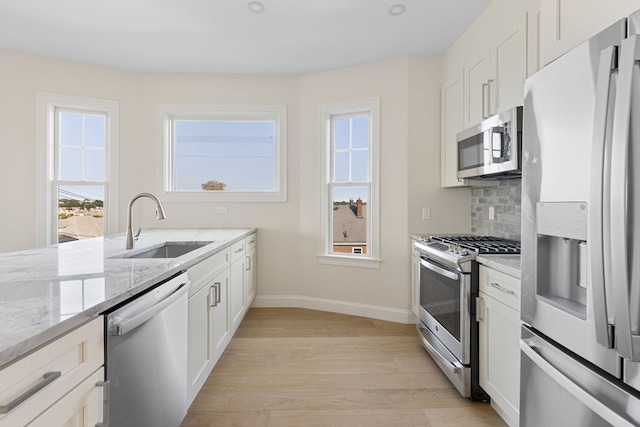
479,244
458,250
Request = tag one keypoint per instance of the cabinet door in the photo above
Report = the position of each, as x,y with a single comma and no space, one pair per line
564,24
199,339
499,358
451,106
68,360
82,406
250,277
236,293
509,65
477,89
415,283
221,323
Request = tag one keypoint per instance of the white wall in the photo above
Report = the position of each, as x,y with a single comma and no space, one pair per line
288,271
21,77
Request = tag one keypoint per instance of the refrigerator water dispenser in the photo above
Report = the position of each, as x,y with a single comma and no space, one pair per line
562,255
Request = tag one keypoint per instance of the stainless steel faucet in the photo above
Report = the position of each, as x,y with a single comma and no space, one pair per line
159,215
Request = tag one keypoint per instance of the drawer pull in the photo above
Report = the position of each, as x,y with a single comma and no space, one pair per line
239,250
106,398
47,379
501,289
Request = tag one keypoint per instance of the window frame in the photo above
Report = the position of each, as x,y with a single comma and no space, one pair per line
46,126
371,259
166,113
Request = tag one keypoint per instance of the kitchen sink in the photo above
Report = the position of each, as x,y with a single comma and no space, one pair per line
167,250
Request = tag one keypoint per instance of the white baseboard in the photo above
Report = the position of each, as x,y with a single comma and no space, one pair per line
333,306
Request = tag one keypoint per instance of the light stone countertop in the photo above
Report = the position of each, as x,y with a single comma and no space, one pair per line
507,264
48,291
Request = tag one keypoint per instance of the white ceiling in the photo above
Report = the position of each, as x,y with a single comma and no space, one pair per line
225,36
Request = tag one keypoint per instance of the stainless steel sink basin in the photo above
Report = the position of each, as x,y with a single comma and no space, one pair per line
167,250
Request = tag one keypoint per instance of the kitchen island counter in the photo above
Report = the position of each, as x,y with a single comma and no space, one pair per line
49,291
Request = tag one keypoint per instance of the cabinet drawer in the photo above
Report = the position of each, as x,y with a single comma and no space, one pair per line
202,272
250,241
500,286
238,249
70,358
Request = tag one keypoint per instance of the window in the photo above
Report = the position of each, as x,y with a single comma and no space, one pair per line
223,153
350,205
78,177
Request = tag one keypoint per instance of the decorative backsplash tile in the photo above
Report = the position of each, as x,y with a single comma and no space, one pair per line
507,204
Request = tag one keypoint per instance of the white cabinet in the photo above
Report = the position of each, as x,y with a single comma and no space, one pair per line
72,369
498,313
476,89
250,276
236,290
222,288
451,112
564,24
508,55
207,327
82,406
415,282
221,323
496,65
484,74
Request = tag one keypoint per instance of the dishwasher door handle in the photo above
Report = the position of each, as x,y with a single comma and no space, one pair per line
128,325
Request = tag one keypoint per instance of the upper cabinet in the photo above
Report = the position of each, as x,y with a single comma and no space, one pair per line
484,73
564,24
496,52
451,110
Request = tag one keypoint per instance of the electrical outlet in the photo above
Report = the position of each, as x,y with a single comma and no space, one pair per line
426,213
492,213
221,209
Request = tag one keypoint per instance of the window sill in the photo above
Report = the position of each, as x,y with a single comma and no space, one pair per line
349,261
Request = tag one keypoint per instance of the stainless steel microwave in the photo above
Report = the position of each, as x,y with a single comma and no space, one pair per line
492,149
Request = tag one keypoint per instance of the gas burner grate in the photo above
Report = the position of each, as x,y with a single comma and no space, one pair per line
481,244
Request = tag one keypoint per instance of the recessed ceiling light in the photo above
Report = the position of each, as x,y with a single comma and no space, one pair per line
397,9
255,6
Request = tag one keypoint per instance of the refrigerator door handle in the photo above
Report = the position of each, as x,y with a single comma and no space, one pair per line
597,406
599,234
628,344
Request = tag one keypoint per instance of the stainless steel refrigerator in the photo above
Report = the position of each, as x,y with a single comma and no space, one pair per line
580,346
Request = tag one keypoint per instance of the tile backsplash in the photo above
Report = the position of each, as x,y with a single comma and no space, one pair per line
506,202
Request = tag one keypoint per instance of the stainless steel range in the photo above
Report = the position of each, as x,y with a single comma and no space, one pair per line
448,290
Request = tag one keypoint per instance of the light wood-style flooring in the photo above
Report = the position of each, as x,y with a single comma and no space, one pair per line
297,367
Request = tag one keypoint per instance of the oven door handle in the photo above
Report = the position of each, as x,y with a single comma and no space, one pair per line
442,271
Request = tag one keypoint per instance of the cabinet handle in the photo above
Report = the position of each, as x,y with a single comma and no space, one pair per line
501,289
484,102
47,379
217,286
105,403
239,250
489,97
212,299
248,263
479,309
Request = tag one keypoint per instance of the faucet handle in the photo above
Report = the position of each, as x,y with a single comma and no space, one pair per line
135,236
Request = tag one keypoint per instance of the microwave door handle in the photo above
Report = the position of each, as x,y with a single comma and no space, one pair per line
499,132
621,205
600,187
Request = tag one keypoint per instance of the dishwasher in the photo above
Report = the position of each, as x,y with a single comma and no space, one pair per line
146,357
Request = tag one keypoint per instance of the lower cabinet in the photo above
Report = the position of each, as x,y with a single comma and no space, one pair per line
222,289
61,384
499,358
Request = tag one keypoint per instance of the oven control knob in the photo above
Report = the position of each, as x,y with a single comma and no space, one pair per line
452,248
463,251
